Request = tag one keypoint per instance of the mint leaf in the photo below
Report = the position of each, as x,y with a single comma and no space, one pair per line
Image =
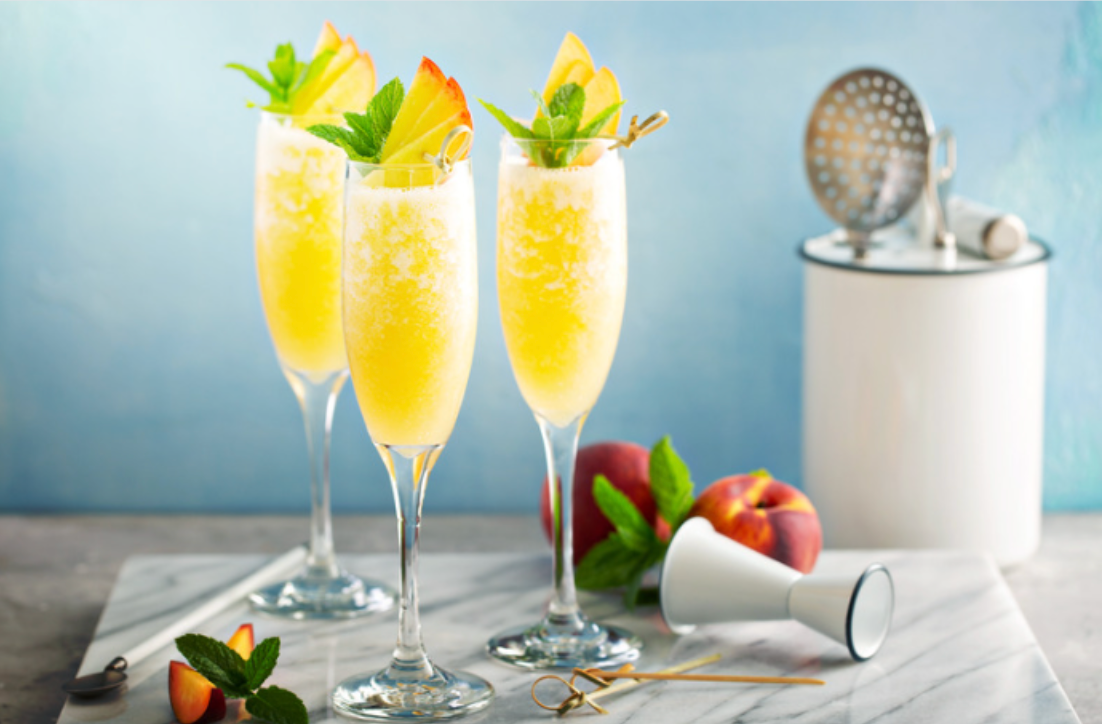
277,706
220,664
344,139
670,483
367,132
261,662
257,77
283,67
568,102
633,528
540,103
361,135
608,564
598,121
384,107
515,128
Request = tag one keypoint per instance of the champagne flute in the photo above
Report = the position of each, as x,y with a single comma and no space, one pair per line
561,284
298,217
410,299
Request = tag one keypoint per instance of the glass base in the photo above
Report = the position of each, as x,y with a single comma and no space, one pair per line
535,647
385,695
307,598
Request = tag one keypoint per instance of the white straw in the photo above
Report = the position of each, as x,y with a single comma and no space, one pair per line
279,567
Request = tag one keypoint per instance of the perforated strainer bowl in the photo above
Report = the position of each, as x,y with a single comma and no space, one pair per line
865,150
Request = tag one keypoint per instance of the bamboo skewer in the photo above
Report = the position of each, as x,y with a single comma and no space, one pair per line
631,684
664,676
634,678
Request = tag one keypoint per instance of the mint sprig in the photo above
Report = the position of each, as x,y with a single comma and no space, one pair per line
241,679
289,76
622,559
556,137
221,665
367,132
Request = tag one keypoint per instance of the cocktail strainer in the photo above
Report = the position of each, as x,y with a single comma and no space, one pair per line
866,150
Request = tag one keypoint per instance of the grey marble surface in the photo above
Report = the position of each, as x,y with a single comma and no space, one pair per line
959,651
56,573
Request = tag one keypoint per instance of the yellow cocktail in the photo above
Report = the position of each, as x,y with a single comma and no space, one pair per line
561,279
410,305
561,286
298,219
299,214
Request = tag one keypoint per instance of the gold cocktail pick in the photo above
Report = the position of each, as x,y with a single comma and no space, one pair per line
444,160
637,130
603,680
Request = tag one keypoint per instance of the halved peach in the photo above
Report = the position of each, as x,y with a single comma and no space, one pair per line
243,641
194,699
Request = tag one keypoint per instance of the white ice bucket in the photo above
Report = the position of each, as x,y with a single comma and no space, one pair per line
924,396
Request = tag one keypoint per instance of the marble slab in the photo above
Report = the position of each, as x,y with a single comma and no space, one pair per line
960,650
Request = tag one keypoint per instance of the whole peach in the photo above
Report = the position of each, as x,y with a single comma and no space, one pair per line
627,467
767,515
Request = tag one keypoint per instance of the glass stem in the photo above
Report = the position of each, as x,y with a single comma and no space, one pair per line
564,617
318,399
409,468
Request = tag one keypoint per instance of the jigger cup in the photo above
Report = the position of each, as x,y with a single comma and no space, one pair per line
709,578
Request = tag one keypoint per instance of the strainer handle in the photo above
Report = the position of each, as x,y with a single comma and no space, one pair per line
936,176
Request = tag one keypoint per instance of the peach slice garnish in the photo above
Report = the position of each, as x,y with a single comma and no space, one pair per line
346,84
432,108
573,64
329,39
243,641
601,91
351,90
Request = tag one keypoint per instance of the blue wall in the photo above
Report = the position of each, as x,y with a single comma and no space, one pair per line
135,368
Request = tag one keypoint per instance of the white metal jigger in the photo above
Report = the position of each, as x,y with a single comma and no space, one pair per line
710,578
